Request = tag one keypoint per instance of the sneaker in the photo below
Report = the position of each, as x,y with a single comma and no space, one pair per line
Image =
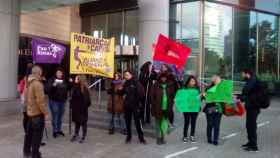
143,141
74,138
163,141
215,143
128,140
55,135
185,139
111,132
26,155
193,140
43,144
159,141
123,132
61,133
252,149
82,140
245,145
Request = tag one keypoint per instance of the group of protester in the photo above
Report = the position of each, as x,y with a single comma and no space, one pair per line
153,94
33,89
156,94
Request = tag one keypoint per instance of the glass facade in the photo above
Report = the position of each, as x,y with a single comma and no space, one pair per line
272,6
185,27
229,38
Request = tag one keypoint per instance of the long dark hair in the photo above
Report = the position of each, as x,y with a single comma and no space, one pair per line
145,68
189,80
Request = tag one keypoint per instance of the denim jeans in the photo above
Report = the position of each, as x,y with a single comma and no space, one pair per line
213,126
57,111
33,136
116,122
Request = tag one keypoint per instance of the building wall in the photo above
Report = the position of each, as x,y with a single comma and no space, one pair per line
55,23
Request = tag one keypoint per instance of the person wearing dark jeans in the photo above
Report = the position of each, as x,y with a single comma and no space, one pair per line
57,91
213,111
251,126
37,114
25,121
34,135
213,127
57,110
252,111
128,118
133,91
193,107
190,118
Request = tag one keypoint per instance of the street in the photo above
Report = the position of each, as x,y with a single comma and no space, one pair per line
99,144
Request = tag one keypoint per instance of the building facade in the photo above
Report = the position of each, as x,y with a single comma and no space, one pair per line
225,35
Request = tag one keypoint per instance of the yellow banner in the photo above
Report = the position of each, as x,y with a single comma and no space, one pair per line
91,55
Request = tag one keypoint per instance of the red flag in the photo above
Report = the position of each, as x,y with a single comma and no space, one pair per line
171,52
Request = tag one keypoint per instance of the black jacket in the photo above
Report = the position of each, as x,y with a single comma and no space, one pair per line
79,104
58,92
132,91
248,93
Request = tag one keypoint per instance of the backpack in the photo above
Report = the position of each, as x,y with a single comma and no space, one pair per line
261,96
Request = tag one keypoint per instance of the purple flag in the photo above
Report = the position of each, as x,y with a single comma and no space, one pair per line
47,52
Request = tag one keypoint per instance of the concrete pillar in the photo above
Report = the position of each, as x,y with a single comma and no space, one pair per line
9,34
153,20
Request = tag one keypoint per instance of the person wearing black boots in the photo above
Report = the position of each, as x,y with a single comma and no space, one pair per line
147,78
79,103
249,97
132,91
160,97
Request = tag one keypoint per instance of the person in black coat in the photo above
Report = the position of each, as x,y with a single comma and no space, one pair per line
252,110
132,91
147,78
79,103
58,93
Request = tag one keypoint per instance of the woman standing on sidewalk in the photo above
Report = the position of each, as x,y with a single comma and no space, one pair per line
161,98
115,104
213,113
173,85
193,108
57,91
132,91
79,103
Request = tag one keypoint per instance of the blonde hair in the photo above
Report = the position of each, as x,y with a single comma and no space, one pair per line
36,70
216,79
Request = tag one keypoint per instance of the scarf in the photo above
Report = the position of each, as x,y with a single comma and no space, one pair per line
164,104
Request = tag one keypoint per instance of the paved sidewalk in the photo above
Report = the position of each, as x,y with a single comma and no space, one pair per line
100,145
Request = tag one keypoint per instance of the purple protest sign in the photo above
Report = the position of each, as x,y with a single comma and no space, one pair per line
47,52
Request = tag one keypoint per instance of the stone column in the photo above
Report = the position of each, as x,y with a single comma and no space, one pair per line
153,20
9,34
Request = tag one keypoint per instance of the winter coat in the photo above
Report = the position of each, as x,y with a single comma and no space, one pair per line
79,103
133,91
248,94
35,97
156,99
115,96
57,93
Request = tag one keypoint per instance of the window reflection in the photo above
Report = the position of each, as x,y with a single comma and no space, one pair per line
268,45
218,40
185,28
